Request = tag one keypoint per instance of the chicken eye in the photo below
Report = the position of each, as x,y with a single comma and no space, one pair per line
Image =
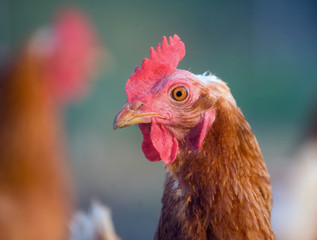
179,93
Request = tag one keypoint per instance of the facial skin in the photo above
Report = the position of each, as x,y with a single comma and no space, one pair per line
159,103
169,122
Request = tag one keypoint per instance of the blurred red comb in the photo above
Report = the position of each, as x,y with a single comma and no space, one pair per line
161,63
74,54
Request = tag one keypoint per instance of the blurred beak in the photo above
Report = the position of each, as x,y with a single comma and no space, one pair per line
127,117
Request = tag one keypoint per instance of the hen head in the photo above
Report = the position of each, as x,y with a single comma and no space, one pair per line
174,108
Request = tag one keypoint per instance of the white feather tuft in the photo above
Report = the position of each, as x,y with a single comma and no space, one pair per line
207,78
95,225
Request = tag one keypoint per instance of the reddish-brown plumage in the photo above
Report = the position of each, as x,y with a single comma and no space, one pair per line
222,191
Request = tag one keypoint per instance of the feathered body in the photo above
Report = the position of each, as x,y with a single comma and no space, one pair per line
217,185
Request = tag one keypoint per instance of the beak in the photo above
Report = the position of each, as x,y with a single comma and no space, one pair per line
127,117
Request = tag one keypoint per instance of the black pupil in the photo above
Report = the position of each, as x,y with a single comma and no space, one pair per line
179,93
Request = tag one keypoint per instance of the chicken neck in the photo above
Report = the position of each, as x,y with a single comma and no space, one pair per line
222,191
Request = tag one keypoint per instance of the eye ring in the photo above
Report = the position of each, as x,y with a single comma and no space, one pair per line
179,93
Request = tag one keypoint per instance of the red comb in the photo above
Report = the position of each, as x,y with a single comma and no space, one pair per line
161,63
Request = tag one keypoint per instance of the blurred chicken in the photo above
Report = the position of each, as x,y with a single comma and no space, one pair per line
217,185
295,211
52,68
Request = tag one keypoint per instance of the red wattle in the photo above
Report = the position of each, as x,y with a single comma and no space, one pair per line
158,143
147,147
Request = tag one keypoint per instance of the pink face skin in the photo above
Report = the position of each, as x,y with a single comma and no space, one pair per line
159,98
174,120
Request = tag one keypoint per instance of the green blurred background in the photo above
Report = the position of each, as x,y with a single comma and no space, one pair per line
265,50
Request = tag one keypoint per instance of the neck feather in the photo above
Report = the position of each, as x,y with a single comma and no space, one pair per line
227,182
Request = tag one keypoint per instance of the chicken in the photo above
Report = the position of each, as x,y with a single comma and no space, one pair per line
51,69
295,212
297,200
217,185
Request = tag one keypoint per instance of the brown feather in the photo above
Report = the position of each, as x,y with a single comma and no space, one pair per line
222,191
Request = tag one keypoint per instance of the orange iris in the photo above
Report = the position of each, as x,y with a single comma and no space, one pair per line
179,93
